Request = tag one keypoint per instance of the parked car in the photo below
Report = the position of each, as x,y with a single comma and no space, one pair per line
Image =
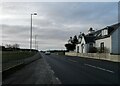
47,53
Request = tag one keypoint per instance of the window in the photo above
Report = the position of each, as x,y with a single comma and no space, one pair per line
104,32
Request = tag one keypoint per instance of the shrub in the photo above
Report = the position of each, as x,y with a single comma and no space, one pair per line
70,47
106,50
93,50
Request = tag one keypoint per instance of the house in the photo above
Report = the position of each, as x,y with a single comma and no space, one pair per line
85,43
105,40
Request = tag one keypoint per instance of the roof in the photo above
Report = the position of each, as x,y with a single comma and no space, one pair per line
89,39
110,29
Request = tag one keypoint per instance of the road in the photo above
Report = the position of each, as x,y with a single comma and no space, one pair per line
76,70
36,72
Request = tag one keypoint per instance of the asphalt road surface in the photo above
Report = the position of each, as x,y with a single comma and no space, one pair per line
36,72
77,70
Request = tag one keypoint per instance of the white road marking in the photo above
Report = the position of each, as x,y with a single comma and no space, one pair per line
99,68
72,60
52,71
58,80
49,67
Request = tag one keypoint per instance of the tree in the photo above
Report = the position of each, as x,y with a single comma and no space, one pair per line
12,47
70,40
15,46
8,46
71,43
2,48
75,40
70,47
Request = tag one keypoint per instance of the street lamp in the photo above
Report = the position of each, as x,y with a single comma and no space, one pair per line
31,31
35,42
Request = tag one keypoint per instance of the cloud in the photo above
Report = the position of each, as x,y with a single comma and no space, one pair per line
55,22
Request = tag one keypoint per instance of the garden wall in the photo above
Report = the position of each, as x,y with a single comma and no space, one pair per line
102,56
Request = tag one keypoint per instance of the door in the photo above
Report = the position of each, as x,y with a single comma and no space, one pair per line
82,47
102,47
77,49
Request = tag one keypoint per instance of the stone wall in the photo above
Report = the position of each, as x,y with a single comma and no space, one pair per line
102,56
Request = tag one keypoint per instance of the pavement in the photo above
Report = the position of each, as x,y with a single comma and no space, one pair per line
79,70
36,72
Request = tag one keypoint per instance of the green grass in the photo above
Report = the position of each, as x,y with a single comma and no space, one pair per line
12,58
8,56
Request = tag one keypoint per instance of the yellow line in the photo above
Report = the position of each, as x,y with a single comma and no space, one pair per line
72,60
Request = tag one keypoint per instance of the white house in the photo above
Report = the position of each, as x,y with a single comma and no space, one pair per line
85,43
105,40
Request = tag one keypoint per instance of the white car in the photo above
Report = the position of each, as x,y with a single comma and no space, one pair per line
47,53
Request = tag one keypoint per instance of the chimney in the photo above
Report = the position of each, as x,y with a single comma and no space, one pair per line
91,30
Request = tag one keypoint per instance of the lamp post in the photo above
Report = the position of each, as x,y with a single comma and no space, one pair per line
35,42
31,31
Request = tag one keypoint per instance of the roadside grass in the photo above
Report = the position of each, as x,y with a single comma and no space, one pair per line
16,55
12,58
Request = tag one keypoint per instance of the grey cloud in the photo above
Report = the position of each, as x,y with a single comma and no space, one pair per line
15,34
20,35
74,12
9,29
55,22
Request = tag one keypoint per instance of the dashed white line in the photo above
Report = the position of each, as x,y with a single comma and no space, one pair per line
58,80
52,71
72,60
49,67
99,68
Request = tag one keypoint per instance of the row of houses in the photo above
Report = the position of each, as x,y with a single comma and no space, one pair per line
106,40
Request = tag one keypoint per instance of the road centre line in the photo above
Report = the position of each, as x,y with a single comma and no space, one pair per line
72,60
58,80
52,71
99,68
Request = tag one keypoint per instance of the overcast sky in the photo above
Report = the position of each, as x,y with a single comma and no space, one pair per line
55,22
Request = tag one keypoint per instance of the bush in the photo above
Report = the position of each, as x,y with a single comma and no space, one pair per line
93,50
70,47
106,50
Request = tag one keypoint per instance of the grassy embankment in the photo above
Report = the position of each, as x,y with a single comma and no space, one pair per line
12,58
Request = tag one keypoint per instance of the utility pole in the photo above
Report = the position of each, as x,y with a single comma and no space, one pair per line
35,42
31,32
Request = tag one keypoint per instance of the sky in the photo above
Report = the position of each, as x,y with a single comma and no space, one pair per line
54,23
